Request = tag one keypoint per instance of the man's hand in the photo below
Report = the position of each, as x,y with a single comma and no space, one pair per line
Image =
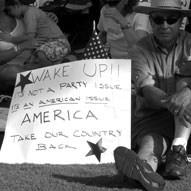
178,102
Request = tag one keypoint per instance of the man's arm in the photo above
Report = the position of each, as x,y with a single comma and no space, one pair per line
178,102
153,96
158,99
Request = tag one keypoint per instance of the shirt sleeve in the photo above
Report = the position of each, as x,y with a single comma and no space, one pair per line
142,74
30,21
141,22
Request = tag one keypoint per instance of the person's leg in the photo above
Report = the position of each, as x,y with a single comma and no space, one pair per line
52,52
43,60
39,60
151,148
177,157
181,131
143,165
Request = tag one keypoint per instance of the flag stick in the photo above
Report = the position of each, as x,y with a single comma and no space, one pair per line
94,25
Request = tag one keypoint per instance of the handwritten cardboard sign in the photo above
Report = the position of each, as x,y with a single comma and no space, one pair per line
71,113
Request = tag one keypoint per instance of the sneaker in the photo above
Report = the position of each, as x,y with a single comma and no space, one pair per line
176,162
128,164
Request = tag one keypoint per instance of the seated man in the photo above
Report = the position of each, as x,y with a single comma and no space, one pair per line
162,123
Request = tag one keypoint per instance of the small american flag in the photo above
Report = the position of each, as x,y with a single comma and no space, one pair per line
95,49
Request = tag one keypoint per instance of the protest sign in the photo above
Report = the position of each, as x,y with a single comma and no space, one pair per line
71,113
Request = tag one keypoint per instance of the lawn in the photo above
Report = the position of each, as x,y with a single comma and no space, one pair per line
103,177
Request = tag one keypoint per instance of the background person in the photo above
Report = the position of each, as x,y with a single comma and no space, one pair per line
38,25
160,109
121,27
12,56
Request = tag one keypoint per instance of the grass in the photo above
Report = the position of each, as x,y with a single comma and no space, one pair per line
103,177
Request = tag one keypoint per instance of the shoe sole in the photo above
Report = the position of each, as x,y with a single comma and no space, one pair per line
131,166
173,174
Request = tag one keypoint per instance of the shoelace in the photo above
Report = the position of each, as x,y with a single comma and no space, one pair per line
178,158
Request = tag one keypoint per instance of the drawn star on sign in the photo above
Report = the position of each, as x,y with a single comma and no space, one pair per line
96,149
24,80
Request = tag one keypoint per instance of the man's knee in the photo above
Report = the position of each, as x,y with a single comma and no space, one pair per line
153,144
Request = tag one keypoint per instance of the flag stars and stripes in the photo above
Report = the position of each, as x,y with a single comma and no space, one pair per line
95,49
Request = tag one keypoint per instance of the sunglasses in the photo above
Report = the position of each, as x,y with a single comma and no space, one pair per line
159,20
